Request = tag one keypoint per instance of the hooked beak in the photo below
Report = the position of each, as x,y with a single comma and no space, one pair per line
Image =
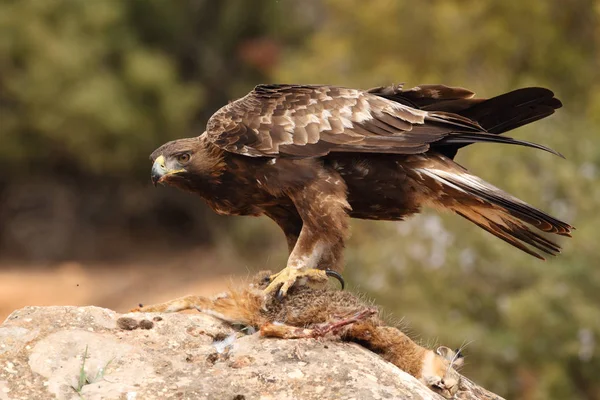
158,170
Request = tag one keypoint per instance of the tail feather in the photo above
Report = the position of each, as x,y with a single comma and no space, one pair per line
497,231
465,138
513,109
496,115
497,212
492,195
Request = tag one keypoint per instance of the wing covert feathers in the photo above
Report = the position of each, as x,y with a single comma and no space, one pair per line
499,213
313,120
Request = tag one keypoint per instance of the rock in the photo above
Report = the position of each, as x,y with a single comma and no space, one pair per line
95,353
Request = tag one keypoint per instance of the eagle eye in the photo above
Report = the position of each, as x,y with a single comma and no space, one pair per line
183,158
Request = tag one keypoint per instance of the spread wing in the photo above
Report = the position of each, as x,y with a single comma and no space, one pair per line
310,121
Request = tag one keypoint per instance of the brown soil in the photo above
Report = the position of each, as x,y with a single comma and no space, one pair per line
118,286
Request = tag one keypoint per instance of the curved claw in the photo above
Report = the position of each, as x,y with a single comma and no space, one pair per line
337,276
280,293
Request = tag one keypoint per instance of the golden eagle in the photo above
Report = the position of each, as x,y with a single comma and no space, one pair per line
311,156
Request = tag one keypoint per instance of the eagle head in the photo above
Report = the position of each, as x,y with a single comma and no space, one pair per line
181,162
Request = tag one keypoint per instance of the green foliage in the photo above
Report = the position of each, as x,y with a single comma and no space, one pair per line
80,88
97,85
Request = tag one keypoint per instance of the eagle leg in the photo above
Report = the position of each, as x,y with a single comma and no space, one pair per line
288,220
323,207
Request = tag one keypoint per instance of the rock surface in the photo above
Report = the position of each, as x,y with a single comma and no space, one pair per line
95,353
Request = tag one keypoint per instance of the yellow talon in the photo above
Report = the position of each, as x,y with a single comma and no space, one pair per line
282,281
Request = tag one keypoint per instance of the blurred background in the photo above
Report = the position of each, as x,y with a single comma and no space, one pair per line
89,88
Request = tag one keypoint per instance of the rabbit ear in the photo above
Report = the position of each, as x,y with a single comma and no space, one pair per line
454,356
445,352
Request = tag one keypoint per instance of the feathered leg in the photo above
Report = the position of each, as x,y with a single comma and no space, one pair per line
323,208
288,220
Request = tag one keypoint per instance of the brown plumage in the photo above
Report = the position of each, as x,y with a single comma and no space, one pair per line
309,157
